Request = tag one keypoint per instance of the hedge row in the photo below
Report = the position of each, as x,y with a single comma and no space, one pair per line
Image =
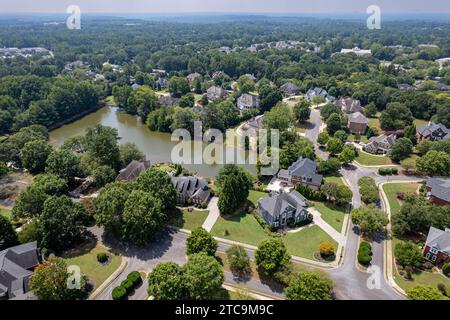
129,284
311,194
388,171
365,253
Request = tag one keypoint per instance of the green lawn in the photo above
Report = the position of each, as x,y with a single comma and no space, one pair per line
332,215
86,258
374,123
420,123
189,220
334,179
367,159
363,139
254,196
391,190
241,227
5,212
306,242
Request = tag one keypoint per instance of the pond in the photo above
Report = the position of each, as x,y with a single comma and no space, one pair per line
157,146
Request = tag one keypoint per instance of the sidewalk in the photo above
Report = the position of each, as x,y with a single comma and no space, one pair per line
213,215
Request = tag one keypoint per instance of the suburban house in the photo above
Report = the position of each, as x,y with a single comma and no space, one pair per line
433,132
16,267
357,123
437,246
248,101
349,105
193,76
279,209
357,51
215,93
199,108
161,82
133,170
381,144
251,129
439,190
319,92
302,171
290,89
191,190
250,77
167,101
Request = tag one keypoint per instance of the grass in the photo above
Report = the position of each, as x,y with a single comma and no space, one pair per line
332,215
420,123
334,179
391,190
363,139
367,159
240,227
375,123
189,220
254,196
306,242
5,212
85,256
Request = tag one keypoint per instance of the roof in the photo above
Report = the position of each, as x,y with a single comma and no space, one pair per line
390,140
253,126
439,239
432,128
217,91
16,264
191,77
305,167
440,188
168,101
349,105
289,87
318,92
133,170
357,117
248,101
276,202
192,187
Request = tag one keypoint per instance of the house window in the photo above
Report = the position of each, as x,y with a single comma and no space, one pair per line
428,255
433,258
433,250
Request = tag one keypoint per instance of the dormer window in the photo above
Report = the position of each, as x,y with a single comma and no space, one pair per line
434,250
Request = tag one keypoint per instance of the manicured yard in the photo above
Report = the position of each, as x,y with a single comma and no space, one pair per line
189,220
391,190
86,258
5,212
374,123
363,139
334,179
332,215
420,123
241,227
367,159
306,242
254,196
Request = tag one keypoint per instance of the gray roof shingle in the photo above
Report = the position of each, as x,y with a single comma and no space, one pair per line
440,188
439,239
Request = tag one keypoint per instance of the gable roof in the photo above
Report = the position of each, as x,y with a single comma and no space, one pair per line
440,188
190,187
167,100
305,167
357,117
289,87
15,265
432,128
248,101
349,105
276,202
133,170
375,141
439,239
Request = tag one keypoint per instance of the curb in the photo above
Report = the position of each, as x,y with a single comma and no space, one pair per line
110,279
249,292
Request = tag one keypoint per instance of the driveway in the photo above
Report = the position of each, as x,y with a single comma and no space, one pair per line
214,214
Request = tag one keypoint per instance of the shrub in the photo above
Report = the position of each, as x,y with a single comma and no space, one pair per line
102,257
365,253
135,278
384,171
326,249
446,269
119,293
127,285
311,194
394,171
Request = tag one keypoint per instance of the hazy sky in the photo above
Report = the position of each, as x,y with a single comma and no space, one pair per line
254,6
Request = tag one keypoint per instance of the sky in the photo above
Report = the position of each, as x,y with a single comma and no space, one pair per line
225,6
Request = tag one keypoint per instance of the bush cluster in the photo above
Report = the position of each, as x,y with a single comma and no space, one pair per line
365,253
126,286
102,257
446,269
311,194
388,171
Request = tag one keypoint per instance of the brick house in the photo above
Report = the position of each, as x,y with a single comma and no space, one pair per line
439,190
433,132
357,123
437,246
302,171
216,93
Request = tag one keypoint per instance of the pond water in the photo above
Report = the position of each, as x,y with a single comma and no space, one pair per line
157,146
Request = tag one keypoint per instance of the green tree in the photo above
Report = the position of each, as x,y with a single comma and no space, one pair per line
335,146
187,101
160,186
370,110
401,149
341,135
166,282
8,236
408,164
203,276
334,123
238,259
34,154
30,203
102,145
327,110
142,217
129,152
348,154
408,254
103,175
61,223
178,86
368,190
141,102
323,138
271,256
309,286
64,164
396,116
425,293
369,218
302,111
434,163
51,184
201,240
280,117
49,281
233,184
424,146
